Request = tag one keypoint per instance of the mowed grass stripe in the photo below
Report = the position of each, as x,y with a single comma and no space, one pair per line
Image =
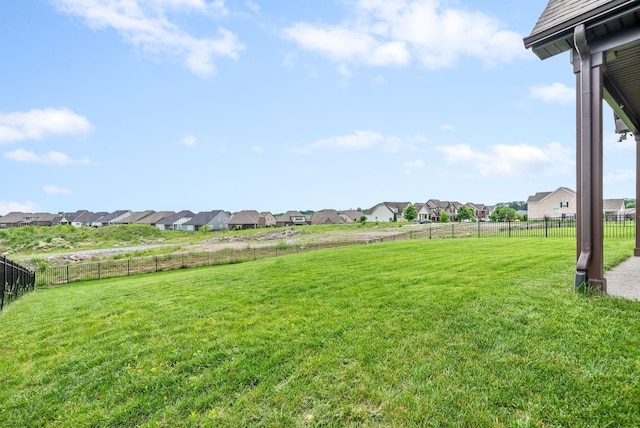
452,332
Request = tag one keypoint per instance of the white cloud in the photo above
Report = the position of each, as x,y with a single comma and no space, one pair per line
189,141
253,6
620,176
257,149
144,24
448,128
27,207
53,157
344,71
364,140
383,32
51,189
410,166
553,93
379,80
36,124
513,161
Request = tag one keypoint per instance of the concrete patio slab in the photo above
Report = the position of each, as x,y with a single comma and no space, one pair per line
624,279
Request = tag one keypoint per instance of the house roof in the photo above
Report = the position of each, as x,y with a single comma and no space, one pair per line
612,27
352,214
203,217
155,217
13,217
40,217
543,195
110,216
287,216
437,203
94,217
561,16
245,217
613,204
172,218
135,217
327,216
71,217
394,207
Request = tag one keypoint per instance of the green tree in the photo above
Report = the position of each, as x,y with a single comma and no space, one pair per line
503,212
410,213
516,205
629,203
465,213
444,217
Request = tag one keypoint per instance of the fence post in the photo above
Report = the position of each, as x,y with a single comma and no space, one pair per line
156,263
67,274
478,228
509,227
3,277
546,227
452,232
128,267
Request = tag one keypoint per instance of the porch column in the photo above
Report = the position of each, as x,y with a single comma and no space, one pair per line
636,251
589,84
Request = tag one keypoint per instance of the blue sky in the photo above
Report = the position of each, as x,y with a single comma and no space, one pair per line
279,105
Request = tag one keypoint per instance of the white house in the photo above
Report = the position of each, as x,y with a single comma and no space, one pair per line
559,203
386,211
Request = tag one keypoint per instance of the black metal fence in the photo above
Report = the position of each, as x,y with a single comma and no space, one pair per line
16,280
545,228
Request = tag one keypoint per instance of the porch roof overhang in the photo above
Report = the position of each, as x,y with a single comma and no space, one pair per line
612,27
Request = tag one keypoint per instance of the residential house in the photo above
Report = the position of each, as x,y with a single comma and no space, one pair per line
214,220
14,219
424,213
111,218
291,218
350,216
246,219
93,218
42,219
386,211
72,218
154,217
480,211
614,209
175,221
561,203
269,219
327,216
134,217
437,207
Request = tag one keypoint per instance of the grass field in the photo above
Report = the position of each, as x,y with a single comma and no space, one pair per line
473,332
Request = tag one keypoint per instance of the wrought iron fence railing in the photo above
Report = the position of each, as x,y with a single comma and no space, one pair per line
16,280
544,228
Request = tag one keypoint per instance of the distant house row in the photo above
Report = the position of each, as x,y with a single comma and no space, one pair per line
181,220
430,210
246,219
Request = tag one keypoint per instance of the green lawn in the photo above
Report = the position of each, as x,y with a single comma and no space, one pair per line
459,332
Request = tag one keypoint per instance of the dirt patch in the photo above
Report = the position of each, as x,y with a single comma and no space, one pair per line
268,238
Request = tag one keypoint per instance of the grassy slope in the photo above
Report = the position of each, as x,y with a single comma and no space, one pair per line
452,332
